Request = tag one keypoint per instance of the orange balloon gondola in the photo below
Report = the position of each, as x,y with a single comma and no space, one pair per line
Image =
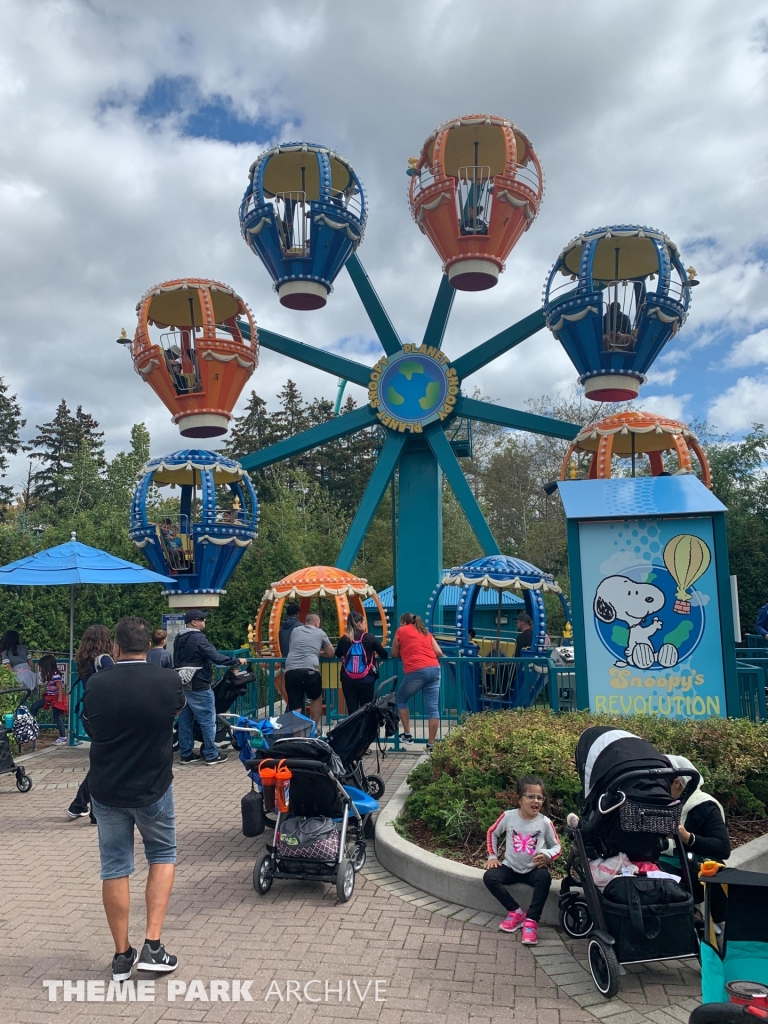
631,434
475,188
189,348
318,581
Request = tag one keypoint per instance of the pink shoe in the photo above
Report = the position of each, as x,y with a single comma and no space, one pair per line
513,921
530,932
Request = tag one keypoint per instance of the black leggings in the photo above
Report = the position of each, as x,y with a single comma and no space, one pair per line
82,801
357,692
495,879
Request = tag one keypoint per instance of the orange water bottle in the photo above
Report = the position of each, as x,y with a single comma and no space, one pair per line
267,775
283,787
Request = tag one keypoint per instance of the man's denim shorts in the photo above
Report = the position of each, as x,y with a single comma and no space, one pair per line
156,824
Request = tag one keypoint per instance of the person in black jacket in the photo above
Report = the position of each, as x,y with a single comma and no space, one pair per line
290,622
193,650
702,824
358,692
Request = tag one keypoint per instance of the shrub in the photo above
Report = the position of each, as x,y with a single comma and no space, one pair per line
471,776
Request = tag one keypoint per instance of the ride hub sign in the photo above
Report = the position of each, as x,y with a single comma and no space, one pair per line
651,608
413,388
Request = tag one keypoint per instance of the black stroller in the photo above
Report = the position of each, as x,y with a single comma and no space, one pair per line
628,808
321,838
353,735
7,764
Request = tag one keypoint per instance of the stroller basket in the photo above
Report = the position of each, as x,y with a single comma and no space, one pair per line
660,821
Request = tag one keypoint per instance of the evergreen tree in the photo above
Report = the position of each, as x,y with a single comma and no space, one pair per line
58,445
10,425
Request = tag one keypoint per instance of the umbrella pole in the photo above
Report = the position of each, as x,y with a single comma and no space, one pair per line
71,654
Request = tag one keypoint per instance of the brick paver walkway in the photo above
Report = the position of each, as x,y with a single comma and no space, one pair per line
438,963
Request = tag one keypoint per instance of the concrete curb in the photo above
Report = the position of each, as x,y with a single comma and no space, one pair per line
458,883
438,876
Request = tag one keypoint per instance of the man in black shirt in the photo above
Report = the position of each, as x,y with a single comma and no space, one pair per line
128,711
524,632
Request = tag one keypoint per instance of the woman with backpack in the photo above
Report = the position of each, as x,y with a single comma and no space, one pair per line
358,650
93,655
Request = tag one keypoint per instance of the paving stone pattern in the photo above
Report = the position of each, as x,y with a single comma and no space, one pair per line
440,963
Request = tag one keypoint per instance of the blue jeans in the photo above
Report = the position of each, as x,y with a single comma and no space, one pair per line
59,717
426,679
157,827
200,708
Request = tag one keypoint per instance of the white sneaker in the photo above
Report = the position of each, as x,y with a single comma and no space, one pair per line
61,741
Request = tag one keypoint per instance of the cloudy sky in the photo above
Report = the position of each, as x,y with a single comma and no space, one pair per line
128,129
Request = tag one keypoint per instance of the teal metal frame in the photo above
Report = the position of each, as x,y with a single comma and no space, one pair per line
419,459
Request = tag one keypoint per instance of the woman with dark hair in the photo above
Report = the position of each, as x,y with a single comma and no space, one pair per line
419,651
93,655
15,655
358,688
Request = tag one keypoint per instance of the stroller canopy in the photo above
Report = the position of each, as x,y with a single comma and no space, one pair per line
354,734
604,753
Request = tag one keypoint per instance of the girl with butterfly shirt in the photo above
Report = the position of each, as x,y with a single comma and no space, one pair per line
531,844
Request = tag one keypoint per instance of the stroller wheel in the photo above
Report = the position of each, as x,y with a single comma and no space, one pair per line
604,967
376,786
575,919
369,827
23,781
262,874
359,856
345,881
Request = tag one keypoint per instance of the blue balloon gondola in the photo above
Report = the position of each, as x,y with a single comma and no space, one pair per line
198,540
626,295
303,214
499,573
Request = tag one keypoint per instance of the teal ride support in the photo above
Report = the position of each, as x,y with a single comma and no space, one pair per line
414,394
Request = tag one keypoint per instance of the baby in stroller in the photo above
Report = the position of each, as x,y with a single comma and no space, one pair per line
615,893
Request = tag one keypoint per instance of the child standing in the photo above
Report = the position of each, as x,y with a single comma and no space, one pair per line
531,844
55,698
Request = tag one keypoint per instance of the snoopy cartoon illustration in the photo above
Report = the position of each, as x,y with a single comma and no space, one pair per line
620,599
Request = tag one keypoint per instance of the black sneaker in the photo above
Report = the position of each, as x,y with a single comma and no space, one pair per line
156,961
190,759
219,759
122,964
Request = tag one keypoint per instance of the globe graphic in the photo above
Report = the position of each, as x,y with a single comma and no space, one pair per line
413,388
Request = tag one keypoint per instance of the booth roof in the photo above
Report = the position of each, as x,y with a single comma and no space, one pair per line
630,497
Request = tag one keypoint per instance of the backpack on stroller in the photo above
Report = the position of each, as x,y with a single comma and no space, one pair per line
353,735
25,729
628,809
320,837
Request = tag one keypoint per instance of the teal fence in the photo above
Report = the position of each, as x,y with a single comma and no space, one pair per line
468,685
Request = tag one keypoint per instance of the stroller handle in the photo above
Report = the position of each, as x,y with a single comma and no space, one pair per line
649,773
384,683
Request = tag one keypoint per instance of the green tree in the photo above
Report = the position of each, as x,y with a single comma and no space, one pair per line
10,443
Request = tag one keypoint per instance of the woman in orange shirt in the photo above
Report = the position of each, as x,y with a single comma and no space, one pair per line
419,651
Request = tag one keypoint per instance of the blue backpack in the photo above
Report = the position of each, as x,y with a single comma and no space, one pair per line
356,666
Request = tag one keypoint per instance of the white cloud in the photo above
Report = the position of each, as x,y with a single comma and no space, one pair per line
751,350
96,205
673,406
660,378
741,405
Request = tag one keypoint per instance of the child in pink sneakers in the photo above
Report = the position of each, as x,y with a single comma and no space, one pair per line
531,844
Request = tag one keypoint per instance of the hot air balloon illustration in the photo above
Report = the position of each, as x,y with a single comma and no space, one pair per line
687,558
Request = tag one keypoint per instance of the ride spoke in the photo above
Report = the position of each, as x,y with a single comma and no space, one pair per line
312,438
374,492
449,464
515,418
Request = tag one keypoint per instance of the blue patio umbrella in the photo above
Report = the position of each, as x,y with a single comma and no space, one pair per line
68,564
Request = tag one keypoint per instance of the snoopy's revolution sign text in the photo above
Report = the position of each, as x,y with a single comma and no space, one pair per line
653,644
